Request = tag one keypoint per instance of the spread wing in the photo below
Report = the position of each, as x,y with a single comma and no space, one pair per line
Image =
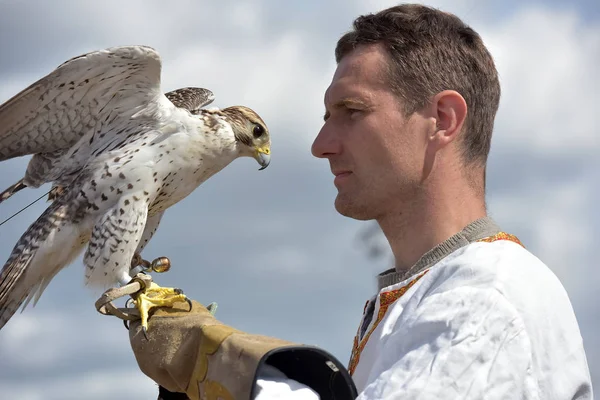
85,100
191,98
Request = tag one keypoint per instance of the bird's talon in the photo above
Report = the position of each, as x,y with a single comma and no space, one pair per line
128,302
126,324
154,296
190,303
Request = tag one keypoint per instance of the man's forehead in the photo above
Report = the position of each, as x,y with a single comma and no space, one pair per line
358,72
345,88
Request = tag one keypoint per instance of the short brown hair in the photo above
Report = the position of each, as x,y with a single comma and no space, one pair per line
431,51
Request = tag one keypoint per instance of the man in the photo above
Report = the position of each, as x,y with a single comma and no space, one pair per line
467,312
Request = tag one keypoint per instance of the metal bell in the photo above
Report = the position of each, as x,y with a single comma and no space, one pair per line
161,264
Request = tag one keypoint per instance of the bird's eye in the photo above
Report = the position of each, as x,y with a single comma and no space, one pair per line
258,131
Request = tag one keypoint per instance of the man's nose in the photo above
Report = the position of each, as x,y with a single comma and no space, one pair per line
326,143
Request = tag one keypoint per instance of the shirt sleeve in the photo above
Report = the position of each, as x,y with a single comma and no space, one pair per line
274,384
465,343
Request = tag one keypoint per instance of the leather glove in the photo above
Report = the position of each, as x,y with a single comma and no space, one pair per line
188,351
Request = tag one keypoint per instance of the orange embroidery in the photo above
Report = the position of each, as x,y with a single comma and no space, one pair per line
502,236
386,299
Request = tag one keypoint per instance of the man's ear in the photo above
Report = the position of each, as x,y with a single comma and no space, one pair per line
449,109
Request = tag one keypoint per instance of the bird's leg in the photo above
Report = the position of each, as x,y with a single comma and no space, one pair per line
154,296
138,264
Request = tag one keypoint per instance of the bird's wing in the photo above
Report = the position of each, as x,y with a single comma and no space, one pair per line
191,98
87,96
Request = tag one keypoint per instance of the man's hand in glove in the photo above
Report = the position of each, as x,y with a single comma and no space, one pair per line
188,351
191,352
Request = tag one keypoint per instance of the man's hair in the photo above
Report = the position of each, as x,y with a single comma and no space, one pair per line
431,51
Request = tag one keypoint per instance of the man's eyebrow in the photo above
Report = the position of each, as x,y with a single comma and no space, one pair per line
350,101
346,102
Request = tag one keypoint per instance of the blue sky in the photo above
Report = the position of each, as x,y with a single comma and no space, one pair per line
296,271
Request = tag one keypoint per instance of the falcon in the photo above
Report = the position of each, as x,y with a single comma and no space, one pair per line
118,153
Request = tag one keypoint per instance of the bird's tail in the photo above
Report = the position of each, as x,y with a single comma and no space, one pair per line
50,244
55,192
12,190
12,290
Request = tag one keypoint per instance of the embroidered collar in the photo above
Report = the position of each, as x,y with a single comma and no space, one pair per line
476,230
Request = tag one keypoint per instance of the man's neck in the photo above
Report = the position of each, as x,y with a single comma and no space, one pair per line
412,233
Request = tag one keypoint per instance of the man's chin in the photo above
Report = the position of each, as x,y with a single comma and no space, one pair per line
353,209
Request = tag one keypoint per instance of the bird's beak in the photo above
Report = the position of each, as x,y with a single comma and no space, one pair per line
263,156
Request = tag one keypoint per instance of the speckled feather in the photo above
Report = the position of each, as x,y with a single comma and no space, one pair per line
121,151
191,98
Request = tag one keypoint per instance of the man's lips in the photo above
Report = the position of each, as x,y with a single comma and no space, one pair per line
341,173
340,176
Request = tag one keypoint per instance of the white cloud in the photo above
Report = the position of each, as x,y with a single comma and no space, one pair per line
42,343
24,340
246,16
117,383
37,339
557,230
548,62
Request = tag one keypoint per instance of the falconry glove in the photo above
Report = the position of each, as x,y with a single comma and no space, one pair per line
191,355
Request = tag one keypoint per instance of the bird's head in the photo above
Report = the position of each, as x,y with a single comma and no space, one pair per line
251,132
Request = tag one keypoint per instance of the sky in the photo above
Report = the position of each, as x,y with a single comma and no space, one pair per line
299,270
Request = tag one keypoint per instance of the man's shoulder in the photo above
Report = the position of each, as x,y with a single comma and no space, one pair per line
488,272
502,268
495,265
